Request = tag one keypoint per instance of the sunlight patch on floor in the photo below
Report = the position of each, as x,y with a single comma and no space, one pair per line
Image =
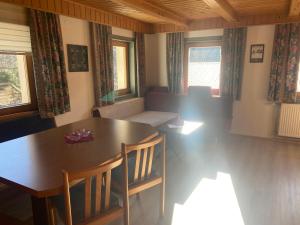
189,127
213,202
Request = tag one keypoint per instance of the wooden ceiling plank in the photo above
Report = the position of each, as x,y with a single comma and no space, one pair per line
215,23
68,7
223,9
294,8
155,11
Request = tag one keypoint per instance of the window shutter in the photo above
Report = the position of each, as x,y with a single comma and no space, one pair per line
14,38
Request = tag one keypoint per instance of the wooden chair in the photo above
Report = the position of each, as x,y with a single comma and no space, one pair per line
143,175
98,210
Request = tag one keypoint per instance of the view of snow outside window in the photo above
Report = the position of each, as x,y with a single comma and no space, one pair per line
204,67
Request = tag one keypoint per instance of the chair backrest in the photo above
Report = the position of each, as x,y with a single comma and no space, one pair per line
102,175
144,157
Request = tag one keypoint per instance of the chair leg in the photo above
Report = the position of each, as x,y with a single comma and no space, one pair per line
52,214
126,217
126,211
162,199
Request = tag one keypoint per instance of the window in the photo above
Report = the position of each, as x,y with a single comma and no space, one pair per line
298,84
17,91
121,67
203,64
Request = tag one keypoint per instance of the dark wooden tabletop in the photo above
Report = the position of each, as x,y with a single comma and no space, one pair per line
34,163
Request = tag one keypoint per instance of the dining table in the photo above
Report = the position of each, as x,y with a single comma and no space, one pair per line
34,163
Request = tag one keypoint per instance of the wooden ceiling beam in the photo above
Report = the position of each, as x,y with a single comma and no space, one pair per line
223,9
154,10
294,8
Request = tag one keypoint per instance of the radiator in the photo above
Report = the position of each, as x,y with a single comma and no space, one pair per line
289,120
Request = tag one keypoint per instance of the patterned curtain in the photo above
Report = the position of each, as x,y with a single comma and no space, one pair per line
103,64
140,63
285,62
49,64
175,51
233,53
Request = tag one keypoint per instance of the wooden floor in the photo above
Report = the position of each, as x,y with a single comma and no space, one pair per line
232,180
243,180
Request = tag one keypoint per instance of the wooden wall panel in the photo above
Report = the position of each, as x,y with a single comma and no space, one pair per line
81,11
214,23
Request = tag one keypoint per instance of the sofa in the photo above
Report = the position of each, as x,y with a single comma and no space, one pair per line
199,104
15,128
159,107
134,110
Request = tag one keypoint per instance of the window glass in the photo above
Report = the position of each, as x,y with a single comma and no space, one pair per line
204,65
298,83
14,87
120,67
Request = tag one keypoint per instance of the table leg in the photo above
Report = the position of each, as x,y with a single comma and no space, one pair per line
40,211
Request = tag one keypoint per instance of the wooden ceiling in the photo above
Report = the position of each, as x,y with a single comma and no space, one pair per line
152,16
184,14
152,11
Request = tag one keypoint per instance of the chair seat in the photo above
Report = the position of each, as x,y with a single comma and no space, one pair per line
77,193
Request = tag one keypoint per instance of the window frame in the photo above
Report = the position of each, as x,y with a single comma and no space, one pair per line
199,44
298,92
127,90
23,108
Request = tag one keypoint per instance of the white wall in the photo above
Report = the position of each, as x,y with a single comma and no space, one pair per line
81,89
253,115
81,86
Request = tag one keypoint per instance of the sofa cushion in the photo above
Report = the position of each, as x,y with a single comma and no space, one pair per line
153,118
24,126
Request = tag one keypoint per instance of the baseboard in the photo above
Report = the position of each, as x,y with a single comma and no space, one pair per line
272,138
287,139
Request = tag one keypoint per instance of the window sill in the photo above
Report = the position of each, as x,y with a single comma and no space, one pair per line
125,97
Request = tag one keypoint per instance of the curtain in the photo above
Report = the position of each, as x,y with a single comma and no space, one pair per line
140,63
49,64
175,51
103,64
285,62
233,53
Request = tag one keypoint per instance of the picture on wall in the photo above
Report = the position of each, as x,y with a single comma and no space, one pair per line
257,53
78,58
